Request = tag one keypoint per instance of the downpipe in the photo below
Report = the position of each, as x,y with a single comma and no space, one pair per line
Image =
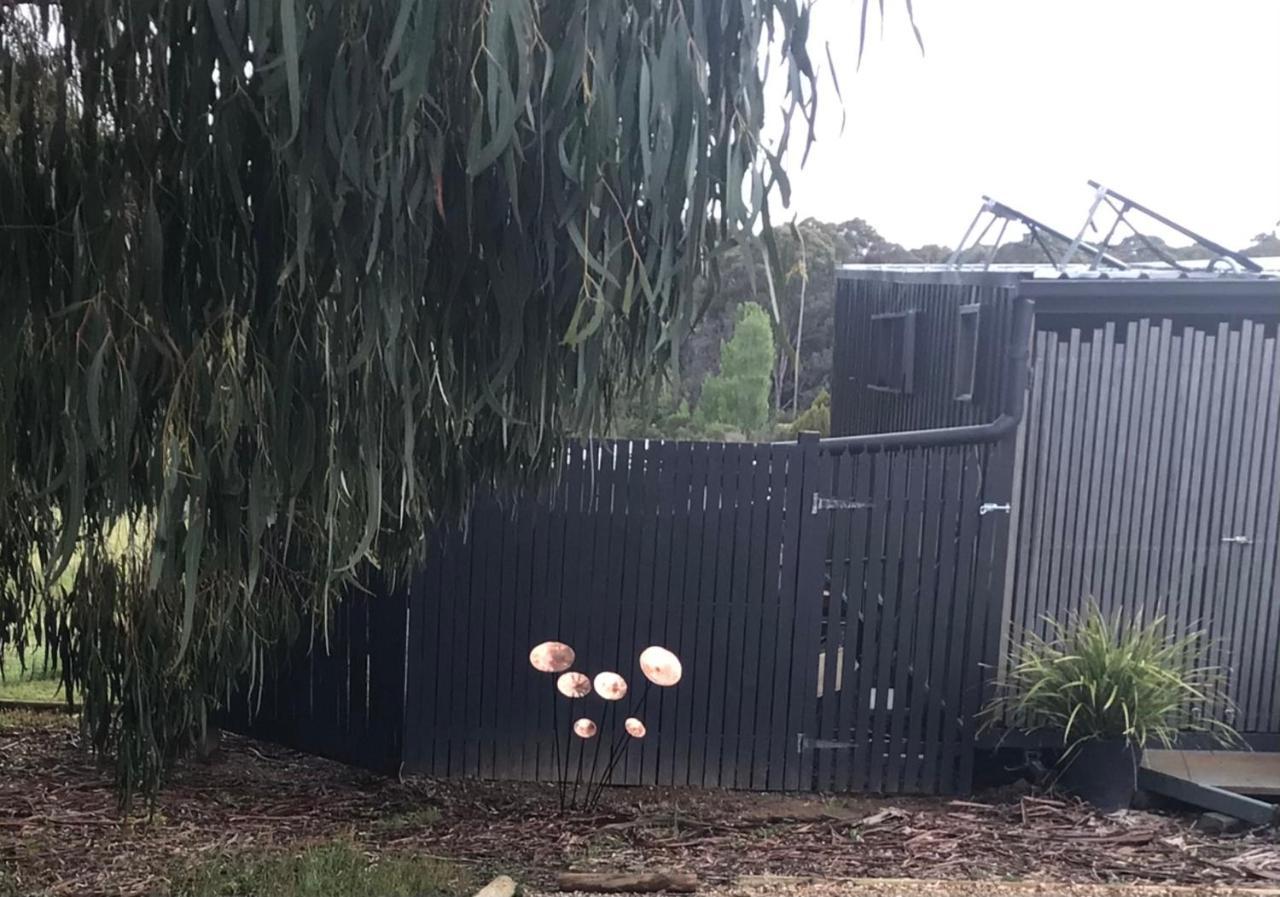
1017,359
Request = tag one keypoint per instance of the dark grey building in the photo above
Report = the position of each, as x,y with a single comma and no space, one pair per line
1144,465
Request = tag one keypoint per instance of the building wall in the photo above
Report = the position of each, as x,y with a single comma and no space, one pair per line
1149,481
1146,472
859,407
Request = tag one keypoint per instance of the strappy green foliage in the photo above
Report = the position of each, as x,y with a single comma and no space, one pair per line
284,280
1097,678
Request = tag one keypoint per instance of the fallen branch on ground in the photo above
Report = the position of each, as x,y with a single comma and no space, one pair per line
627,882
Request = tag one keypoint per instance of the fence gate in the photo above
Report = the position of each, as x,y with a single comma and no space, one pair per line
913,565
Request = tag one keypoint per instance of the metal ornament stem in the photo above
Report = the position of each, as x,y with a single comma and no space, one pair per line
577,779
555,749
619,749
595,760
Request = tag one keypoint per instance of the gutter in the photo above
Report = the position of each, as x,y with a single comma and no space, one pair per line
1004,425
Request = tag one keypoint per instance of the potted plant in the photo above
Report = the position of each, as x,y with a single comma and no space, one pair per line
1111,690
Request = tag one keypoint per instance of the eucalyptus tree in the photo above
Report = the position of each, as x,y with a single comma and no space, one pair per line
283,281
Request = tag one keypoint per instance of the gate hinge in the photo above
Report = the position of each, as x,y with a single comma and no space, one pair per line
809,743
990,506
830,503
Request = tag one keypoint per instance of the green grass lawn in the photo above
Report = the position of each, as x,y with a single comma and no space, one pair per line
35,683
333,869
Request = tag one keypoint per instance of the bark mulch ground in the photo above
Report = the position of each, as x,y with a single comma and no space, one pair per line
60,830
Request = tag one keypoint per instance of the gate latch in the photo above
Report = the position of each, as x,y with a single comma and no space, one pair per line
830,503
990,506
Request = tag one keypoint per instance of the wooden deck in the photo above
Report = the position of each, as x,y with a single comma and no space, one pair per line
1242,772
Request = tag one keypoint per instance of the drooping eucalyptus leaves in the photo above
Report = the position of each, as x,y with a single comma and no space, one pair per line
282,281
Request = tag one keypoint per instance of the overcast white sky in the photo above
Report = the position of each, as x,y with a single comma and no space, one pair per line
1175,103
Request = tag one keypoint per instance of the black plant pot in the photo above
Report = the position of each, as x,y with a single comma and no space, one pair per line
1102,772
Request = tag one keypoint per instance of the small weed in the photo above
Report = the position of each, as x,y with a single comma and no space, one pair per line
333,869
422,817
597,847
8,882
766,831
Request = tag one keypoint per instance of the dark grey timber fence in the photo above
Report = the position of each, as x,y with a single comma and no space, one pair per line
340,696
1149,480
831,608
694,546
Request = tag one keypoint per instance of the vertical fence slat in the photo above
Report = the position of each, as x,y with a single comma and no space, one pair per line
1237,600
705,652
852,661
1213,498
1087,460
938,728
668,493
1181,417
870,748
682,637
1192,551
783,723
1138,471
1269,543
726,634
654,455
1251,611
908,597
447,604
1159,481
1030,511
752,521
671,603
523,751
814,473
926,629
1263,531
839,621
959,657
506,738
895,521
628,646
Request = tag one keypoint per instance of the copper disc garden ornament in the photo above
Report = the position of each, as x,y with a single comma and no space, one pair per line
660,666
611,686
551,657
573,685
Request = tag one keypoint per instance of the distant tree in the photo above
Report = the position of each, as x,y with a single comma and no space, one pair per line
931,254
738,395
1264,245
814,419
1137,249
744,279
